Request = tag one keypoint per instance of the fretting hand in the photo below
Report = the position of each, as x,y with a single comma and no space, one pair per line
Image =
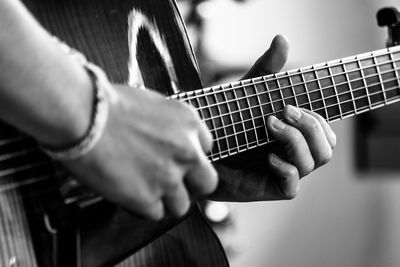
304,142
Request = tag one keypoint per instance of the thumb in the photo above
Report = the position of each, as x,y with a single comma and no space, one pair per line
272,60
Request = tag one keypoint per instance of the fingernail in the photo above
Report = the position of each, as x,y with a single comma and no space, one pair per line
277,124
276,160
294,113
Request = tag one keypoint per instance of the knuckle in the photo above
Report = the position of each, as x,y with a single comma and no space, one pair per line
292,173
289,194
313,124
308,168
326,157
155,214
212,181
171,183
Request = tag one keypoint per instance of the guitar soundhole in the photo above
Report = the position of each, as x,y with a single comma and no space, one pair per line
152,66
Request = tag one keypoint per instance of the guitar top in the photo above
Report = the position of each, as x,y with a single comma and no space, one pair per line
46,219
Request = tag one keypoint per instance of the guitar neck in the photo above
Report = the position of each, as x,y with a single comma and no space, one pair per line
236,112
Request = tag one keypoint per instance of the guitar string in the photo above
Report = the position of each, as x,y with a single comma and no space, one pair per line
339,63
273,113
357,110
307,92
332,119
316,67
292,97
315,101
300,72
21,168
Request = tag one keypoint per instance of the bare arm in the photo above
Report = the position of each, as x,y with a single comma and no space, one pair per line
151,156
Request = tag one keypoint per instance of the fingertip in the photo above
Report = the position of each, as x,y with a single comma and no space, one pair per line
280,41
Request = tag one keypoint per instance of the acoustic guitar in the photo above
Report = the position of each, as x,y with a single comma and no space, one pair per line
47,219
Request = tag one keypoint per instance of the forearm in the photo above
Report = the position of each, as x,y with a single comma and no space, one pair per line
43,91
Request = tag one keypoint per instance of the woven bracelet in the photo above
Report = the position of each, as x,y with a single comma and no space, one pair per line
104,95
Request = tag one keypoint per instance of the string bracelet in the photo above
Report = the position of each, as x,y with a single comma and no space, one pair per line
105,95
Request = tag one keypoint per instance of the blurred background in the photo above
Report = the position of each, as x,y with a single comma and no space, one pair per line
347,212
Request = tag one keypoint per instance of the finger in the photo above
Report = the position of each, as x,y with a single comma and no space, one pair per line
295,145
312,131
287,176
205,138
177,200
153,211
272,60
201,178
330,135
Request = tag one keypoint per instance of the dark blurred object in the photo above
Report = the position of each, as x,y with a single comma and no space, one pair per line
390,17
378,132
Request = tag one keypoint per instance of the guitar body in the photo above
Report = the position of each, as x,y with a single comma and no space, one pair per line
46,219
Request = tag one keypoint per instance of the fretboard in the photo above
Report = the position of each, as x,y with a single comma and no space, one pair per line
236,113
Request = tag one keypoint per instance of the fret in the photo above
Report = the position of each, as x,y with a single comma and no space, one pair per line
218,98
350,89
243,132
206,113
363,83
329,94
335,90
303,80
250,127
388,76
231,129
372,80
314,91
287,92
264,134
322,93
392,59
342,86
276,97
380,78
254,113
268,98
301,95
280,91
296,103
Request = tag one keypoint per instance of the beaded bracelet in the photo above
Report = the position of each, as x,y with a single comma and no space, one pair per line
104,95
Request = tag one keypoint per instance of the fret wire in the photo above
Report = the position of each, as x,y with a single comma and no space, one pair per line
269,95
212,122
262,110
344,102
395,69
251,112
232,119
293,91
222,119
363,78
270,77
379,77
306,89
325,88
336,91
322,93
240,114
348,83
